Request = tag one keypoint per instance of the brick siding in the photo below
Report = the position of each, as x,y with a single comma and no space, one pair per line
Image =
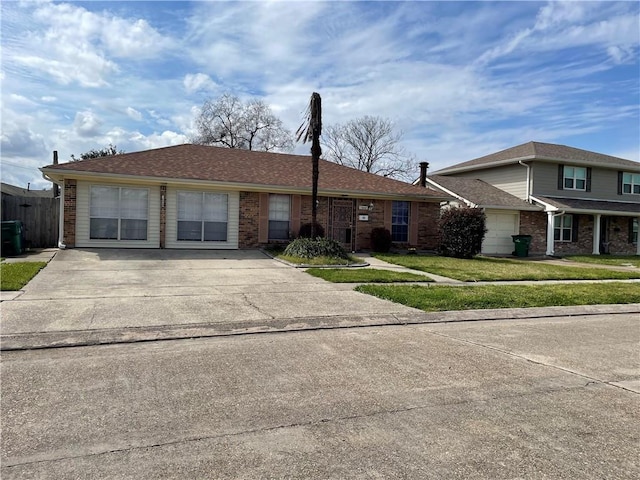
69,235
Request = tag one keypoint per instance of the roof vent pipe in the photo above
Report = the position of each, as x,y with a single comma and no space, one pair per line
423,173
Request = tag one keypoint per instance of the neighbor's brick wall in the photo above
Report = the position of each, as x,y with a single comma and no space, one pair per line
619,237
70,189
535,224
428,236
322,213
584,244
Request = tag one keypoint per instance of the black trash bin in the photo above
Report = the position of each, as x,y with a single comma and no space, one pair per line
522,243
12,238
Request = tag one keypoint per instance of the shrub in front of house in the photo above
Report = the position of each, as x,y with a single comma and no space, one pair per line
305,231
462,231
381,240
315,247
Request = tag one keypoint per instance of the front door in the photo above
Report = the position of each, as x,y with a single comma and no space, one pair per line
342,230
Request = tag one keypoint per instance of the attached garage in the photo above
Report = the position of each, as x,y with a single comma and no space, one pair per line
500,226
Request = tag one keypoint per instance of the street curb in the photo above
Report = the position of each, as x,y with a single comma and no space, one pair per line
83,338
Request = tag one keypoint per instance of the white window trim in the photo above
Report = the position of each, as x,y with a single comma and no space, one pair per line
202,220
119,217
631,184
559,219
273,196
574,178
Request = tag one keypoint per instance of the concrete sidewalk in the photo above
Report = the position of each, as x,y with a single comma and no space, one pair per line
102,296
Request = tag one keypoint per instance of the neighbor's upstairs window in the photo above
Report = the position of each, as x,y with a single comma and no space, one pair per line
400,221
575,178
563,228
279,216
118,213
202,216
631,183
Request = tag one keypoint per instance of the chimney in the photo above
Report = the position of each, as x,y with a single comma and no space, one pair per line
423,173
56,188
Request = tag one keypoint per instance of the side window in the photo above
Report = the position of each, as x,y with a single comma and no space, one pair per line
575,178
631,183
400,221
279,216
563,228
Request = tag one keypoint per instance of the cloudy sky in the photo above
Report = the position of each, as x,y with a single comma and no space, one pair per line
460,80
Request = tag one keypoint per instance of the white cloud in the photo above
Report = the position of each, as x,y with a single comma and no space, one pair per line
198,82
134,114
87,124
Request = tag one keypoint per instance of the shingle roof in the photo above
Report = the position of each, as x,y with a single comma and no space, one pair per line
576,204
216,164
481,193
542,151
14,191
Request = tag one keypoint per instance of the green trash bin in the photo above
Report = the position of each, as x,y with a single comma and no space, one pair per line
522,243
12,235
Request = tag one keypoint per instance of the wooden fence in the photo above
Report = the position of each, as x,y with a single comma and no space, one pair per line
39,216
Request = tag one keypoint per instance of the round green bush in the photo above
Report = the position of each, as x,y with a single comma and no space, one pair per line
315,247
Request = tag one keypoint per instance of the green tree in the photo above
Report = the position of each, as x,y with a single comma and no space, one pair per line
103,152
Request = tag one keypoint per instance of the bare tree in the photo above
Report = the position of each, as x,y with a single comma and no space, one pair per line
93,153
370,144
232,123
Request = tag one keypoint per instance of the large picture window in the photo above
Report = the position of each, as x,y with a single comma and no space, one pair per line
563,228
118,213
575,178
202,216
400,221
279,216
631,183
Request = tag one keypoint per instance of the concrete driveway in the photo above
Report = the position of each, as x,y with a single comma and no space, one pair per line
131,294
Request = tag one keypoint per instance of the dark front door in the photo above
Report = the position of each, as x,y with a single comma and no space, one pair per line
342,230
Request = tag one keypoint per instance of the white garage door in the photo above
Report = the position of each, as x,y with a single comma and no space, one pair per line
500,227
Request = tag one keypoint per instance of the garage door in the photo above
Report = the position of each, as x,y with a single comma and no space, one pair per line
500,227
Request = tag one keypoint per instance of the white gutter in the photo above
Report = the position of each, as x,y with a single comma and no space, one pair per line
469,203
528,177
61,244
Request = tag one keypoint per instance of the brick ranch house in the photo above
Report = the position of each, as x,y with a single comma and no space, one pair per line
194,196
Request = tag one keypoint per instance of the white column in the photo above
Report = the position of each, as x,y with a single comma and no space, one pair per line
638,239
596,234
550,245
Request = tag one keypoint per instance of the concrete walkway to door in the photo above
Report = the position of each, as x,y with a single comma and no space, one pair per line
123,295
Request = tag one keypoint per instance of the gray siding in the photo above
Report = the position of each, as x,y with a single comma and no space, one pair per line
604,184
512,178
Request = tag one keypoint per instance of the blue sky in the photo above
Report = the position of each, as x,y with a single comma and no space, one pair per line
460,79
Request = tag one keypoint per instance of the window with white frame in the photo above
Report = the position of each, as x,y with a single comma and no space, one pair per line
279,216
634,231
400,221
563,228
202,216
118,213
631,183
575,178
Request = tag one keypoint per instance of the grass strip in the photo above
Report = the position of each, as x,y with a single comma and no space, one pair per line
443,298
617,260
14,276
320,260
365,275
480,269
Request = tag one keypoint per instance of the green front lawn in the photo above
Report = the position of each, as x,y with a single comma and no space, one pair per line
617,260
443,298
14,276
496,269
365,275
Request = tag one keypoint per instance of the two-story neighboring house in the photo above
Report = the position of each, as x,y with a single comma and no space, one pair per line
586,202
